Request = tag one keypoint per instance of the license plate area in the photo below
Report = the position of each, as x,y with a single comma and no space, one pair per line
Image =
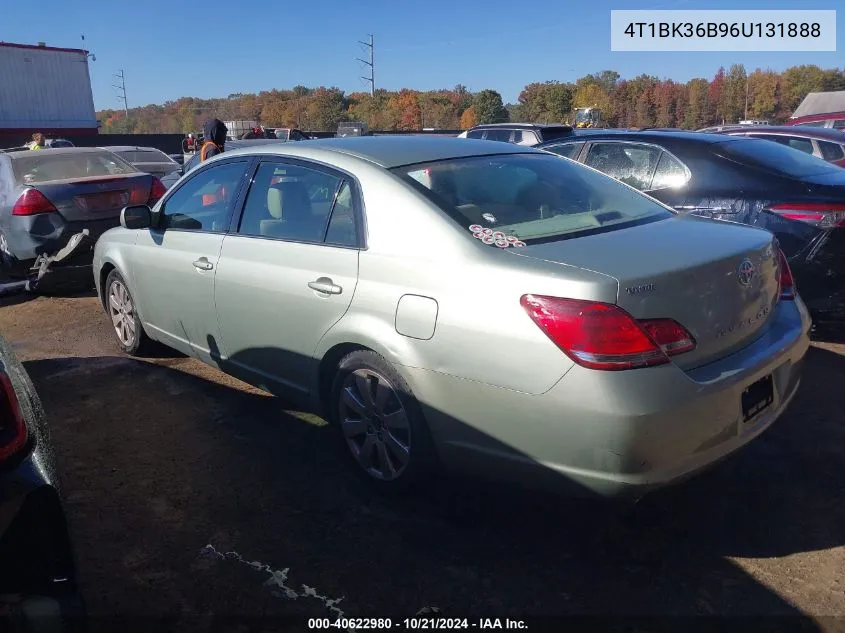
105,201
757,398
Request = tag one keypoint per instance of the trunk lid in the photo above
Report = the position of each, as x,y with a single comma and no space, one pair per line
96,198
720,280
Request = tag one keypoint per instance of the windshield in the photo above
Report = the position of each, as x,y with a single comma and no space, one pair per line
774,158
46,166
515,198
582,116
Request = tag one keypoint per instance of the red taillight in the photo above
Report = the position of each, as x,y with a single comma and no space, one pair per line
157,191
32,202
604,336
822,214
787,282
13,433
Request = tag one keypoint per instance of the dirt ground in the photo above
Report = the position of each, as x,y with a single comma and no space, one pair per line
192,495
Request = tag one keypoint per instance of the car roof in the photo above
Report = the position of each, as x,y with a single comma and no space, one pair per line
57,150
393,151
655,135
127,148
797,130
519,126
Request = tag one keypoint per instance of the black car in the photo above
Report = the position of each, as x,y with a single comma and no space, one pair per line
38,588
798,197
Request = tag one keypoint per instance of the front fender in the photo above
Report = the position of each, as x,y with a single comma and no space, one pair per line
115,253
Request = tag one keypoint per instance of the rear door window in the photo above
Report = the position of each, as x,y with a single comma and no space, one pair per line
839,124
831,151
813,124
475,134
670,172
631,163
801,144
567,150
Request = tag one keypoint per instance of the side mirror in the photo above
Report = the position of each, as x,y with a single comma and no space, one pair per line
136,217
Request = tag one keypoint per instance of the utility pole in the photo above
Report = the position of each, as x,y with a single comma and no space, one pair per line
122,95
372,77
746,97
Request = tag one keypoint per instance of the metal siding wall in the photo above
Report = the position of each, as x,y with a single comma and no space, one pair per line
51,90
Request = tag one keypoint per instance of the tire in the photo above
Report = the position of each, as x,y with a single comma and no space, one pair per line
120,308
380,423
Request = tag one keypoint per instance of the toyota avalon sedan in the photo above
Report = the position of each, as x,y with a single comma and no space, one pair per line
454,303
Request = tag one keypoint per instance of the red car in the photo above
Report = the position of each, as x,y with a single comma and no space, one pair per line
835,120
823,143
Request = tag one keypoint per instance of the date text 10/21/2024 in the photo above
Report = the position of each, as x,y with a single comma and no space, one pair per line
415,624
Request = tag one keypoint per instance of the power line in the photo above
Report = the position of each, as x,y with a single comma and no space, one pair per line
122,95
372,77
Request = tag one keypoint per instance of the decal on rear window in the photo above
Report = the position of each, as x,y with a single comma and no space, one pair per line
499,238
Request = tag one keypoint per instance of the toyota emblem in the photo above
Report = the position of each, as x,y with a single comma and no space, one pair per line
745,272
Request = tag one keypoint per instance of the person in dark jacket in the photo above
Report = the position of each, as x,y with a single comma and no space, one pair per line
214,135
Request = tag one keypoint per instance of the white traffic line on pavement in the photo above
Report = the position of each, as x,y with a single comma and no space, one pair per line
279,578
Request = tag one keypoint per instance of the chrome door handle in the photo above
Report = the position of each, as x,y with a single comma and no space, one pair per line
203,264
325,286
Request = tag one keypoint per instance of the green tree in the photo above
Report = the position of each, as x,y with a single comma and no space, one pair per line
488,107
762,94
732,102
326,108
698,110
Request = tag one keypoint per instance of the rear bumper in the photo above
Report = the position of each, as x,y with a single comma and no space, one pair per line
37,571
30,236
615,434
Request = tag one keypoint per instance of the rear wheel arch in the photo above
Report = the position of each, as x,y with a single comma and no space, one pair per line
330,362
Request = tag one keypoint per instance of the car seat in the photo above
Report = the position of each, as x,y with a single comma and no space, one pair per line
290,208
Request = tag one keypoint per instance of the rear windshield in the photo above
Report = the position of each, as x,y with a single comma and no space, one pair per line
46,165
151,156
774,158
510,199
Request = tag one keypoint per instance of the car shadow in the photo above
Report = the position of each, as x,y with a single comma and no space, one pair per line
159,461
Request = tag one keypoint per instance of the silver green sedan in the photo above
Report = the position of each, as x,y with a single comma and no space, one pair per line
452,303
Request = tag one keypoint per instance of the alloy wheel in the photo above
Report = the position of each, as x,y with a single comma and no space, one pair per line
375,424
122,313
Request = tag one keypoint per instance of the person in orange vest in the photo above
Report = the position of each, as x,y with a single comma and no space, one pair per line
214,139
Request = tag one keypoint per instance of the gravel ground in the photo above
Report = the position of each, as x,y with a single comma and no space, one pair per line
192,495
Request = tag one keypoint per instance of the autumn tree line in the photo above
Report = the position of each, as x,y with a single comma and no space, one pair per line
644,101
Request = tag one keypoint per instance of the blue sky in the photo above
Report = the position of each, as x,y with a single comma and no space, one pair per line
264,44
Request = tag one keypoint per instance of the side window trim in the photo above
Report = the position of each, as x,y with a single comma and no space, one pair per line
330,170
687,172
329,215
230,211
